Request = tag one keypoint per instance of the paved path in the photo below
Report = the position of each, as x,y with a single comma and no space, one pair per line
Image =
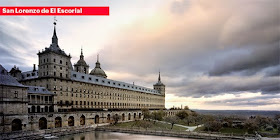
189,128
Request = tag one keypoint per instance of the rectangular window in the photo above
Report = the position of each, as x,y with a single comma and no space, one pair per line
53,60
16,94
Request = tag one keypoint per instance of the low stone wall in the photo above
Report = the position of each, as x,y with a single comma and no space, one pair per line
39,134
181,134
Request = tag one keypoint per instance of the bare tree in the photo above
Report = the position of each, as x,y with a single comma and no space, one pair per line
172,120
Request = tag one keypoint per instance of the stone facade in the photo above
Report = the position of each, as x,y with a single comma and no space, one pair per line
13,103
56,95
78,90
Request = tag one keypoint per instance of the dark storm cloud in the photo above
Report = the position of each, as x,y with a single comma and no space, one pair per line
249,101
203,48
214,47
273,71
251,63
212,86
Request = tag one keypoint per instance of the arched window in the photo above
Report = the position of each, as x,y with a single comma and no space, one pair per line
16,125
82,120
43,123
71,121
96,119
58,122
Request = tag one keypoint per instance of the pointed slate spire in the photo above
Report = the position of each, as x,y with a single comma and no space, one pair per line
97,64
159,81
82,55
54,38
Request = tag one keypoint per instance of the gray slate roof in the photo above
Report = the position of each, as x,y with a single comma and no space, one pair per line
38,90
8,80
76,76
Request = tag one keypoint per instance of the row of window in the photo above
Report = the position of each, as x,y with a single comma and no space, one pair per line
54,60
118,84
121,97
69,103
47,66
31,74
54,74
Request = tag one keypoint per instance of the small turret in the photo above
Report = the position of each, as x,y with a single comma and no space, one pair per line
81,66
160,86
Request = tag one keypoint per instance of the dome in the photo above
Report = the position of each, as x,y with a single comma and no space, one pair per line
81,62
97,71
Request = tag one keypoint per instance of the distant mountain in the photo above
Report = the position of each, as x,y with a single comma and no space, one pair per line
244,113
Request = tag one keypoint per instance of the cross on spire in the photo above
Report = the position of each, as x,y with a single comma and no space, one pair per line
54,20
54,38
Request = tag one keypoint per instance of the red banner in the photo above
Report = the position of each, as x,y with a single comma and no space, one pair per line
49,11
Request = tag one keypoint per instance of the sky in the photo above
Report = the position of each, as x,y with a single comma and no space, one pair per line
212,54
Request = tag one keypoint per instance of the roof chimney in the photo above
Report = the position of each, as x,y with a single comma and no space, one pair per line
34,67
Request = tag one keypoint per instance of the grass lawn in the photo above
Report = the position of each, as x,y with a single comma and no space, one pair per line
274,131
186,124
226,130
156,126
233,130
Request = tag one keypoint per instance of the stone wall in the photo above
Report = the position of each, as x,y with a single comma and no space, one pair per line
81,95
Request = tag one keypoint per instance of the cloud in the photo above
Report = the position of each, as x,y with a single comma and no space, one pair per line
259,100
251,61
273,71
213,86
13,41
202,48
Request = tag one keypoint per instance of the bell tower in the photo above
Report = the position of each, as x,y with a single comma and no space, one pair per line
160,86
81,66
54,62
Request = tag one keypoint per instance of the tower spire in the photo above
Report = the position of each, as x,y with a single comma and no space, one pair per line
82,55
159,81
54,38
97,64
